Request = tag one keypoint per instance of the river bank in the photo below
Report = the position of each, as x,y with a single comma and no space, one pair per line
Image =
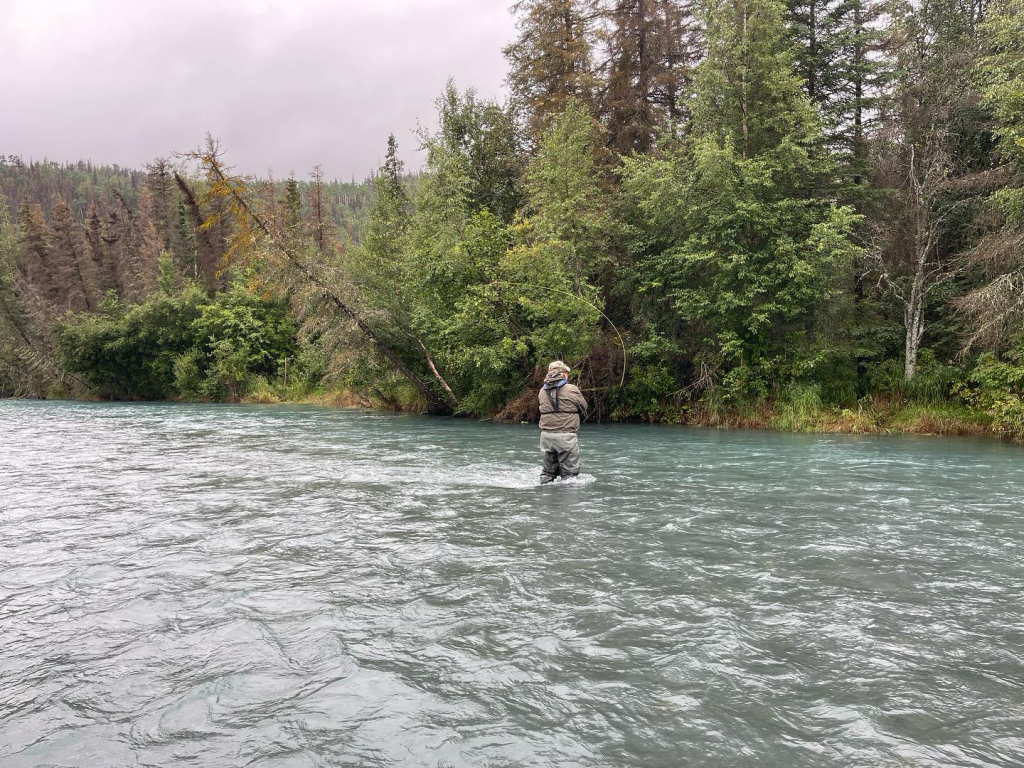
871,416
876,415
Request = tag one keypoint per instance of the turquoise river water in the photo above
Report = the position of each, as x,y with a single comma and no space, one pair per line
295,586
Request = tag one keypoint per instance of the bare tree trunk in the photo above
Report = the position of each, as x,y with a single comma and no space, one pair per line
911,239
437,374
913,320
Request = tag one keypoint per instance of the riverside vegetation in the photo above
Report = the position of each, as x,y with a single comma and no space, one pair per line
730,212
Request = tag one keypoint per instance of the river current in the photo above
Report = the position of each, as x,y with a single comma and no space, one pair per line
295,586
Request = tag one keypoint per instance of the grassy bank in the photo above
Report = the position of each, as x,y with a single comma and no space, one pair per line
396,397
877,415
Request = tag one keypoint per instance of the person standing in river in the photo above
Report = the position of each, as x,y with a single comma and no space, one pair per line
561,405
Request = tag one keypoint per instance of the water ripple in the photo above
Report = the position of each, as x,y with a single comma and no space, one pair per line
288,586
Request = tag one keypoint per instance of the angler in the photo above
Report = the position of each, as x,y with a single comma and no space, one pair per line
561,405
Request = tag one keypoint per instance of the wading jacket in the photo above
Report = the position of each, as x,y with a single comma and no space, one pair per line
561,405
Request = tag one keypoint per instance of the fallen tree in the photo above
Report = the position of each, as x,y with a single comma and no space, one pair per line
253,227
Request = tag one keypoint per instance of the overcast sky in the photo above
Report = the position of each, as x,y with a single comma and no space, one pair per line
285,85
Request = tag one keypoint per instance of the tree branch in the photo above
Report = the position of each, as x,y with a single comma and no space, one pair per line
434,403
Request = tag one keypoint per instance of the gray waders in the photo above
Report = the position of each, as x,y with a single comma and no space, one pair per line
561,451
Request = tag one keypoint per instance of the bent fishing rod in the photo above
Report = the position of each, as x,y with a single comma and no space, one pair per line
622,341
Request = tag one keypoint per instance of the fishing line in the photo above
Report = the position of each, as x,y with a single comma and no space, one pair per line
622,341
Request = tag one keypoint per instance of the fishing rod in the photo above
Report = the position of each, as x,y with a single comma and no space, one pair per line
622,341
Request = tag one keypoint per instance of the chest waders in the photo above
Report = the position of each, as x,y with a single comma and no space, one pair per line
561,450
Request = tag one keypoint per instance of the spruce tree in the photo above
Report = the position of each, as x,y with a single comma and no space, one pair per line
651,54
73,268
35,257
551,60
292,205
160,181
115,237
741,244
838,59
14,323
997,307
379,264
630,114
391,208
138,250
678,51
208,227
318,220
103,263
186,245
24,355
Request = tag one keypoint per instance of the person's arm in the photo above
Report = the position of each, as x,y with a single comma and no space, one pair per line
580,402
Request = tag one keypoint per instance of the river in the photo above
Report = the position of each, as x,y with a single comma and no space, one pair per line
296,586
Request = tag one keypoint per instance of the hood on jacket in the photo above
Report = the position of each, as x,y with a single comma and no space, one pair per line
555,379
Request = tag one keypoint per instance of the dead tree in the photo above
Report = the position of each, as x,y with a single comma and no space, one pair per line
232,191
908,253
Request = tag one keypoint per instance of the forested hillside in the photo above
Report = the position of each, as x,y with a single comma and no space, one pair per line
746,212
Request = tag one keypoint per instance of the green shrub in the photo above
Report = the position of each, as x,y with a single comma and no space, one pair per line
129,352
837,377
229,362
241,332
179,344
188,379
648,394
997,387
744,385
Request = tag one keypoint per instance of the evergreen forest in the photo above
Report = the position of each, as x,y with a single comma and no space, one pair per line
805,215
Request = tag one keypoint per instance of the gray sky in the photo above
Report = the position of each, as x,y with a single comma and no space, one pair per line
285,84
